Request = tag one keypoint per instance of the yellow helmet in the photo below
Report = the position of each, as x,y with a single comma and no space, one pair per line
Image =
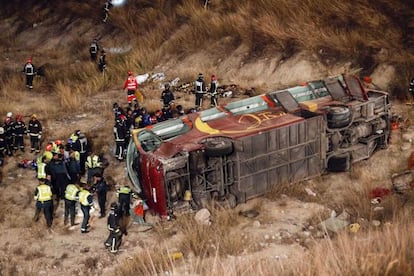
34,116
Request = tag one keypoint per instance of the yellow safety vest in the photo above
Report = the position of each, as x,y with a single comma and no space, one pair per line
124,190
44,193
93,162
71,191
41,172
74,137
77,155
83,197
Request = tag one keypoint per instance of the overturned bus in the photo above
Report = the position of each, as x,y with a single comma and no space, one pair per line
242,149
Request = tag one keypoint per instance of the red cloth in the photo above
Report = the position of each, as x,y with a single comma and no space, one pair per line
379,193
139,210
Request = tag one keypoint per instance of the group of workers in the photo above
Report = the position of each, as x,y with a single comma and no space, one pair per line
13,131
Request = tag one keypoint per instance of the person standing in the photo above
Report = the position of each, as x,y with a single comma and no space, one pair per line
19,130
41,168
113,242
80,144
102,61
93,166
199,90
59,177
138,213
131,85
101,189
213,91
167,96
94,49
107,6
120,133
9,133
86,202
35,133
124,194
43,197
72,165
29,70
2,143
71,196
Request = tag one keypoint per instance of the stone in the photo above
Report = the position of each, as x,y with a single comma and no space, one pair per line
376,223
256,224
203,216
334,224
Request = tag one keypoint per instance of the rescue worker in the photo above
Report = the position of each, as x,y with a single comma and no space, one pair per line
93,165
35,133
102,61
113,242
101,189
94,49
71,196
72,165
411,88
29,70
131,84
180,110
80,144
124,194
43,197
145,118
213,91
107,6
9,133
199,90
19,130
41,168
86,202
120,133
59,177
167,96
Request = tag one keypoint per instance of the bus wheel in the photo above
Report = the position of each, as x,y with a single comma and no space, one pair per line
338,116
217,148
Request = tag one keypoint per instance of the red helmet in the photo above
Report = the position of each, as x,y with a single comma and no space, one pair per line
19,117
122,117
129,73
58,142
49,147
213,77
29,60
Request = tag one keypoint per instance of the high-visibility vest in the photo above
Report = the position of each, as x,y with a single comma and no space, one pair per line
41,172
83,197
77,155
74,137
93,162
124,190
71,192
44,192
132,83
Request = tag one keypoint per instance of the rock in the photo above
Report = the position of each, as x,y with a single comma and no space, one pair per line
304,234
376,223
249,213
266,237
310,192
84,250
333,214
256,224
334,224
203,216
343,216
378,208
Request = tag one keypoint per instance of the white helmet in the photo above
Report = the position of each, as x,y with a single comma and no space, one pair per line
1,130
9,115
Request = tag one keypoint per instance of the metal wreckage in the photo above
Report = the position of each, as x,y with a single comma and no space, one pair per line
241,150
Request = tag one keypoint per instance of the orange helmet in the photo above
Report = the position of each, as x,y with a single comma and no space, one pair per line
129,73
58,142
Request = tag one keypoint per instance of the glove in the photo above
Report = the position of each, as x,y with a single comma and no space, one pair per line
40,136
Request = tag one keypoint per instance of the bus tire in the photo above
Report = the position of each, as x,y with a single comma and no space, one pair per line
338,116
217,148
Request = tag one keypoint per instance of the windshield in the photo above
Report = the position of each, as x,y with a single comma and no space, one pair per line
148,140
